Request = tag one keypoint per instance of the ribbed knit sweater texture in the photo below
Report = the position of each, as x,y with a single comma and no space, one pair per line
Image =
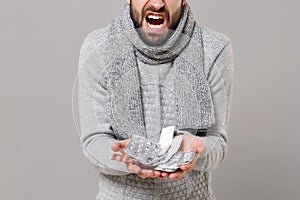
157,86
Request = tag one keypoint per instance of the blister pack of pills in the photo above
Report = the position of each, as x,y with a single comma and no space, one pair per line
163,156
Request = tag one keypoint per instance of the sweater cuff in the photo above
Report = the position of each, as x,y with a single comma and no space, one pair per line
99,152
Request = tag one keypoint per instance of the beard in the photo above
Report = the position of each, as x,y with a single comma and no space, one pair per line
152,38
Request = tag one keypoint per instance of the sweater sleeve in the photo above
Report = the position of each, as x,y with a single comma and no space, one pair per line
220,78
96,135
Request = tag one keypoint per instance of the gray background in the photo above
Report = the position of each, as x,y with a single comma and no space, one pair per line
39,45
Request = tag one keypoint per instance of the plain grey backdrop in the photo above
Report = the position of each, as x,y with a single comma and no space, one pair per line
40,152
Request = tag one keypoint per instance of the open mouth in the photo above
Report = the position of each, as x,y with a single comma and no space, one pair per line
155,21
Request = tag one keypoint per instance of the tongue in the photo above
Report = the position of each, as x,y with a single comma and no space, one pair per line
155,21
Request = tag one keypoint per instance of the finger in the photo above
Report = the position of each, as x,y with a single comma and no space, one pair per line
165,174
141,175
189,166
127,159
185,167
118,145
146,172
176,175
133,168
153,173
157,173
117,157
122,158
200,149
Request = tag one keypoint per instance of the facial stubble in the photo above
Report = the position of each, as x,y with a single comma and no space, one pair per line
138,21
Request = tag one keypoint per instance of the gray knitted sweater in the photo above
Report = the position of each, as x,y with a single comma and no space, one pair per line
115,181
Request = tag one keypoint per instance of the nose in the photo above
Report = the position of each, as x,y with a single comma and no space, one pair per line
157,4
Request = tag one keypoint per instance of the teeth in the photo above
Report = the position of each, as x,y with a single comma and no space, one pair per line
155,17
154,26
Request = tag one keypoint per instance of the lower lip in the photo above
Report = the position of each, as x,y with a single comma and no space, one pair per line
154,29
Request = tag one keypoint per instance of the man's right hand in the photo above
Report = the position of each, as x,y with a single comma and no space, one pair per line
118,146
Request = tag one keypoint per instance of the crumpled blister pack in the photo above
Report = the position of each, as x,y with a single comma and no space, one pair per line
163,156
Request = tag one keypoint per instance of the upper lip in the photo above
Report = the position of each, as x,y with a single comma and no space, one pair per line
155,13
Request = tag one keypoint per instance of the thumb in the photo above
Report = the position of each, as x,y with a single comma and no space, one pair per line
119,145
200,150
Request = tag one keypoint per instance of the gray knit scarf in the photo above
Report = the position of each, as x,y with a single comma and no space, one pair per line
184,48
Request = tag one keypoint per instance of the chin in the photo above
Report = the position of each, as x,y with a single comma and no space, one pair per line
154,38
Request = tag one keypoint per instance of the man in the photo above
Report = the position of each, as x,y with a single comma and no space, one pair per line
153,66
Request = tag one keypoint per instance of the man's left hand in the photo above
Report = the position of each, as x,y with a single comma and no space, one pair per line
189,142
